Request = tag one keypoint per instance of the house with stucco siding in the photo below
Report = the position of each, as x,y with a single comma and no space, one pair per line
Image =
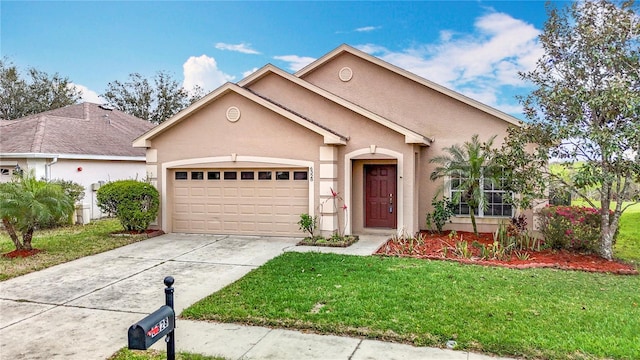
347,138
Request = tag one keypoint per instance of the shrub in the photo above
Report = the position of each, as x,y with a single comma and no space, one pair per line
75,192
571,227
133,202
442,212
308,224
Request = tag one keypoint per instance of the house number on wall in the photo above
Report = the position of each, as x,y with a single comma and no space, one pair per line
310,174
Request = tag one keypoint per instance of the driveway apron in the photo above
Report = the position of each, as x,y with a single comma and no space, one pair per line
82,309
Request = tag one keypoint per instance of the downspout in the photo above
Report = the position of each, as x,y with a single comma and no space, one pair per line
47,168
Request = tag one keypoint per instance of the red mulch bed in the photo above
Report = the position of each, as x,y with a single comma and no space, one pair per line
21,253
559,259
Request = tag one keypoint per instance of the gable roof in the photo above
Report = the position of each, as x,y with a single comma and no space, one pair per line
409,75
411,137
330,137
77,130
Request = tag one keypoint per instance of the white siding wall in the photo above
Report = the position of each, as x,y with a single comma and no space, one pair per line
94,171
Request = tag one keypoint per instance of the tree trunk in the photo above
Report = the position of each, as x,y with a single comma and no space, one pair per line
606,242
608,230
26,238
473,220
12,233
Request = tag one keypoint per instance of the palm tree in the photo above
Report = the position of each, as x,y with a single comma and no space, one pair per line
470,163
27,203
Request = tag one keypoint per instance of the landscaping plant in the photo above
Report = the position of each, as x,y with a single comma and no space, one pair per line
134,203
469,164
308,224
574,228
27,204
75,192
442,213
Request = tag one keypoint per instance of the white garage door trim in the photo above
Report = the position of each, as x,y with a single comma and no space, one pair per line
232,158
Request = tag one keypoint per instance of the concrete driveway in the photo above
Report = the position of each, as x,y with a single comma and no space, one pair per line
82,309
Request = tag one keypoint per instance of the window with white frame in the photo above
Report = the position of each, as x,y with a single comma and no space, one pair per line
494,196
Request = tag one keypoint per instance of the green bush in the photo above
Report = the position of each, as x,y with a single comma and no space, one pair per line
571,227
442,212
308,224
75,192
133,202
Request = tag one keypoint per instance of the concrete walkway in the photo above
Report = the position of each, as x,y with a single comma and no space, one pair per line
82,309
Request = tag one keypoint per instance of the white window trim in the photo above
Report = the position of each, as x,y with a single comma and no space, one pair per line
480,212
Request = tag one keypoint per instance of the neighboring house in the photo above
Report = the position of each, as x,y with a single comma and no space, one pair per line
87,143
250,157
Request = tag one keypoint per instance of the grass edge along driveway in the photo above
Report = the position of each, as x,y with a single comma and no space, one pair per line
61,245
541,313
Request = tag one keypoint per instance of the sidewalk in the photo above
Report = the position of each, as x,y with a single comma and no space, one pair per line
252,342
82,309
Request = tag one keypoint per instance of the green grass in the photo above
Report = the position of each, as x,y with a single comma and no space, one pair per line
538,313
628,244
61,245
126,354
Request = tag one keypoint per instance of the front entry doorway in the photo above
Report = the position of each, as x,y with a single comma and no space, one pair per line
380,196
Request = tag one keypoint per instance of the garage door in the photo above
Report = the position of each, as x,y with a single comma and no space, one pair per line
239,201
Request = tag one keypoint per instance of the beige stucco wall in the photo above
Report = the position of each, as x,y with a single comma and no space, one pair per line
404,101
362,133
207,133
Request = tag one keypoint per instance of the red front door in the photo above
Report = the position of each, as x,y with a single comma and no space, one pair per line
380,196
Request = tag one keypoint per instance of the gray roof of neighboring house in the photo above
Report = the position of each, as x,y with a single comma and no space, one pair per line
82,129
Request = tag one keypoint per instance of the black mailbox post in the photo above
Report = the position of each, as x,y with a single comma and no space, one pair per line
153,327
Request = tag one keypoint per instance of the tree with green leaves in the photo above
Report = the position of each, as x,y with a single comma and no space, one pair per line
27,204
37,92
154,100
584,111
470,166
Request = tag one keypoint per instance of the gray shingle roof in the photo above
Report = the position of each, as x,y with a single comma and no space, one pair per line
82,129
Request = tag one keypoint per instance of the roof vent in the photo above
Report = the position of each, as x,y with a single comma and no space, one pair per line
345,74
106,107
233,114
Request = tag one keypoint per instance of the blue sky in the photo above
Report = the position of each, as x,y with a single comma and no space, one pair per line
473,47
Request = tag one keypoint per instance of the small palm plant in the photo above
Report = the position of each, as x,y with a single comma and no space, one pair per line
470,162
27,203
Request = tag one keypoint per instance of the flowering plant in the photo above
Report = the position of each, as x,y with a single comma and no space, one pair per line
571,227
335,199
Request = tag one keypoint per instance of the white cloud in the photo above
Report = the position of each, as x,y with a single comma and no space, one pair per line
367,28
242,48
88,95
295,62
203,71
478,65
249,72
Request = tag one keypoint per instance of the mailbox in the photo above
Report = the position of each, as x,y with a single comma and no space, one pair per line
154,326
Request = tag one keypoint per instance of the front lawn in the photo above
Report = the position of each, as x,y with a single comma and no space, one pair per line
61,245
535,313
